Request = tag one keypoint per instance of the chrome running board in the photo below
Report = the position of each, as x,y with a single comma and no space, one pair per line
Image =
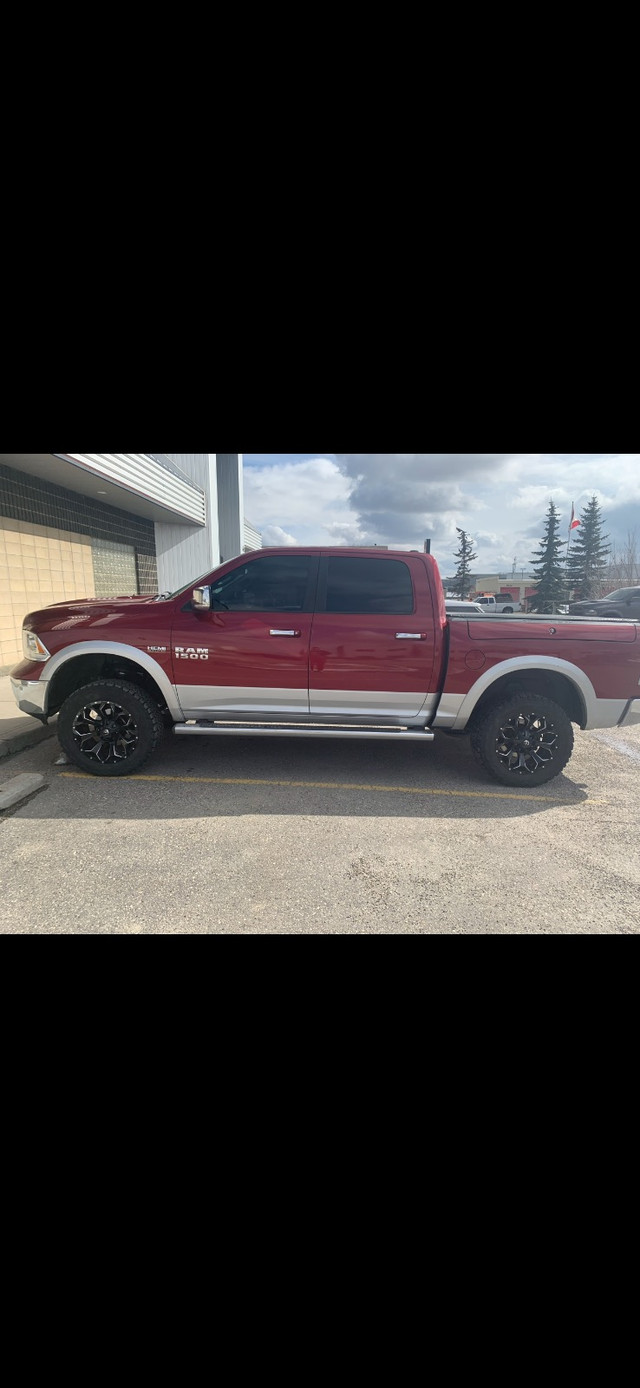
266,730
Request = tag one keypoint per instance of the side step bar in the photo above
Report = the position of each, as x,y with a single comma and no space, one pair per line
247,730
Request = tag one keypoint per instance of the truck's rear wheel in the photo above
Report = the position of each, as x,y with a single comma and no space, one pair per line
526,740
109,728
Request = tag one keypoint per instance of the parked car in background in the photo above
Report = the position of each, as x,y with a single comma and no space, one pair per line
463,609
500,602
624,604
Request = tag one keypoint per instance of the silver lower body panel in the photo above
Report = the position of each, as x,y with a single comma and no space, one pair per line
370,703
605,713
232,701
631,714
448,710
246,701
31,697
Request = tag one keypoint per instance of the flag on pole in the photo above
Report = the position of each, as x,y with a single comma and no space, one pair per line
572,523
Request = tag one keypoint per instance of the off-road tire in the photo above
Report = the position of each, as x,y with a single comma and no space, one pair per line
144,723
496,728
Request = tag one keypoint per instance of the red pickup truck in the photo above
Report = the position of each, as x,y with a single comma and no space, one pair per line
323,643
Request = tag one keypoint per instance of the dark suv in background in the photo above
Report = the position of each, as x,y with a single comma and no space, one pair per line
624,603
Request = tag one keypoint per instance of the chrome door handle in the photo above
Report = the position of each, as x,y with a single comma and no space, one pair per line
284,633
410,636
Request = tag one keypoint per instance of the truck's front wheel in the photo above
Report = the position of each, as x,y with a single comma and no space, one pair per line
526,740
109,728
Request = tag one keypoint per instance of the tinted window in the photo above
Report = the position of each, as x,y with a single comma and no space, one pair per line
273,583
368,585
621,594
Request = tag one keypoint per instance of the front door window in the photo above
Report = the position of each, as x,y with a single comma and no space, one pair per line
273,583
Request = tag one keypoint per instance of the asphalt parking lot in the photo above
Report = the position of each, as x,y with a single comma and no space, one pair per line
276,837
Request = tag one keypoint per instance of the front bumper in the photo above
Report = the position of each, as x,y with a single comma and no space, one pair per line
631,714
31,697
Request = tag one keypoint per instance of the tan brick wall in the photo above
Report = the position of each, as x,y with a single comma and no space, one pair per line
38,566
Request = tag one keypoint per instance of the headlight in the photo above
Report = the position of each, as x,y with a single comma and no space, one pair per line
33,647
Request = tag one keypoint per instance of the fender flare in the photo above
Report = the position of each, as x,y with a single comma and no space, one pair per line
134,653
520,664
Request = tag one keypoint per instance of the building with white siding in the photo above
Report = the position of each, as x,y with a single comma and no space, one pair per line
76,525
252,537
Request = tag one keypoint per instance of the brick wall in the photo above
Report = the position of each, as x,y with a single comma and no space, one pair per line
56,545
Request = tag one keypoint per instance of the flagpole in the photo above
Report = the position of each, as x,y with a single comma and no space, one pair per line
568,549
573,525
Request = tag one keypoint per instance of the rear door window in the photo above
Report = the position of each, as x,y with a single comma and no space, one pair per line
365,586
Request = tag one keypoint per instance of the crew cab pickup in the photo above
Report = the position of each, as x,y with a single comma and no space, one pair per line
323,643
500,603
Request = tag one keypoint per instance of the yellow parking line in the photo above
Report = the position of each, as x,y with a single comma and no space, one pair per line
342,785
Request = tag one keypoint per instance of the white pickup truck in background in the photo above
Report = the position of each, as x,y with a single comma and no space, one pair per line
502,602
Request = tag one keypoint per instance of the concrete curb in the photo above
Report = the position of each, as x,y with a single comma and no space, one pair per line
19,788
19,742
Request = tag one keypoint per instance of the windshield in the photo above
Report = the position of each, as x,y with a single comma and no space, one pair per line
620,595
193,583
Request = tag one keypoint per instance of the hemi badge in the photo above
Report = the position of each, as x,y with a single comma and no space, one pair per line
156,648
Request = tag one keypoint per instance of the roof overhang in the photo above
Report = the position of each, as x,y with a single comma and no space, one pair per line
145,484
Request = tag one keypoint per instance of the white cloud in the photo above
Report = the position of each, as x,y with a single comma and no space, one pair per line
400,499
345,533
275,535
299,498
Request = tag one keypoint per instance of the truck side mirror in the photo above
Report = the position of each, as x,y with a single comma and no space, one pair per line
201,599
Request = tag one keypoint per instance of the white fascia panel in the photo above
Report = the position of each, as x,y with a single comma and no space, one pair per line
143,475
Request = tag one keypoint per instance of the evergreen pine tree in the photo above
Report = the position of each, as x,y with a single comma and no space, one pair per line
547,567
587,553
465,558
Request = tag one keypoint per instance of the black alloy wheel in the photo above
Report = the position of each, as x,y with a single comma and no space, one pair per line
106,731
526,740
110,727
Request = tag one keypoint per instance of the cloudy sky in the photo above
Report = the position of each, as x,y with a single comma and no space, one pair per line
398,499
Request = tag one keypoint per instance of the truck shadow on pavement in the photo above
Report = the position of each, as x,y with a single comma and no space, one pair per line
199,777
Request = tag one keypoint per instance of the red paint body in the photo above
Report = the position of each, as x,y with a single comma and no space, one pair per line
335,652
243,650
608,653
